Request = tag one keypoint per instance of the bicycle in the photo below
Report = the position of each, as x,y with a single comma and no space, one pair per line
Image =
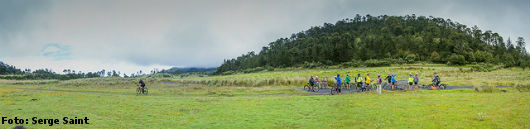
370,87
348,85
139,91
387,86
362,87
440,86
310,88
334,89
320,85
324,84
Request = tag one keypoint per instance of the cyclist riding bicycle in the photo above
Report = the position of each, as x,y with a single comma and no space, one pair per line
436,80
360,82
367,78
411,80
325,82
311,82
317,83
338,83
389,79
142,85
416,80
394,81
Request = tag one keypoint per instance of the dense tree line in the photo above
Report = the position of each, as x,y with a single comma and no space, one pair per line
11,72
363,38
8,69
27,74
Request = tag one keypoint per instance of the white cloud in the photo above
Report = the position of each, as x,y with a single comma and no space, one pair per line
51,49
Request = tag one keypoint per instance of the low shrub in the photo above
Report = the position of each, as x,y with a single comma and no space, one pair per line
228,72
456,59
353,63
376,63
488,89
312,64
398,61
250,70
269,68
328,62
484,67
411,58
481,116
523,87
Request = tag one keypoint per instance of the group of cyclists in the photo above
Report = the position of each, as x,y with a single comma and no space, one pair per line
364,83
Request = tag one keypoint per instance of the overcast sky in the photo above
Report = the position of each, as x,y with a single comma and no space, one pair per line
132,35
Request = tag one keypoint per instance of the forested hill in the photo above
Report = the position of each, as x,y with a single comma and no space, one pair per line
394,39
8,69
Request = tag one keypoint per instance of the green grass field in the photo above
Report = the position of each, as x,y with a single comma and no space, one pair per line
453,76
113,103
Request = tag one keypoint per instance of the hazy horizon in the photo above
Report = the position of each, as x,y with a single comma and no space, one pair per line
132,35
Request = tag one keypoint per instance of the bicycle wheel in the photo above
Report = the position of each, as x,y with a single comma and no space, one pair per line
443,86
138,92
316,89
333,91
146,91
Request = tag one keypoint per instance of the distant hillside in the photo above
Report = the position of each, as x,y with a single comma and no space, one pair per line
176,70
384,40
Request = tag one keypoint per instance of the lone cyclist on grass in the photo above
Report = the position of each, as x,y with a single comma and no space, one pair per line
142,85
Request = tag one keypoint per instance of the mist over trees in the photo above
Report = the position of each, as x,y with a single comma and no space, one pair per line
394,39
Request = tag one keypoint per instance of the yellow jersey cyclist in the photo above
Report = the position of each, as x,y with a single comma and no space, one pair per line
367,80
359,81
411,80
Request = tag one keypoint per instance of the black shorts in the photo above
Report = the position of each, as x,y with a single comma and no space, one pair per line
415,83
142,86
410,83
